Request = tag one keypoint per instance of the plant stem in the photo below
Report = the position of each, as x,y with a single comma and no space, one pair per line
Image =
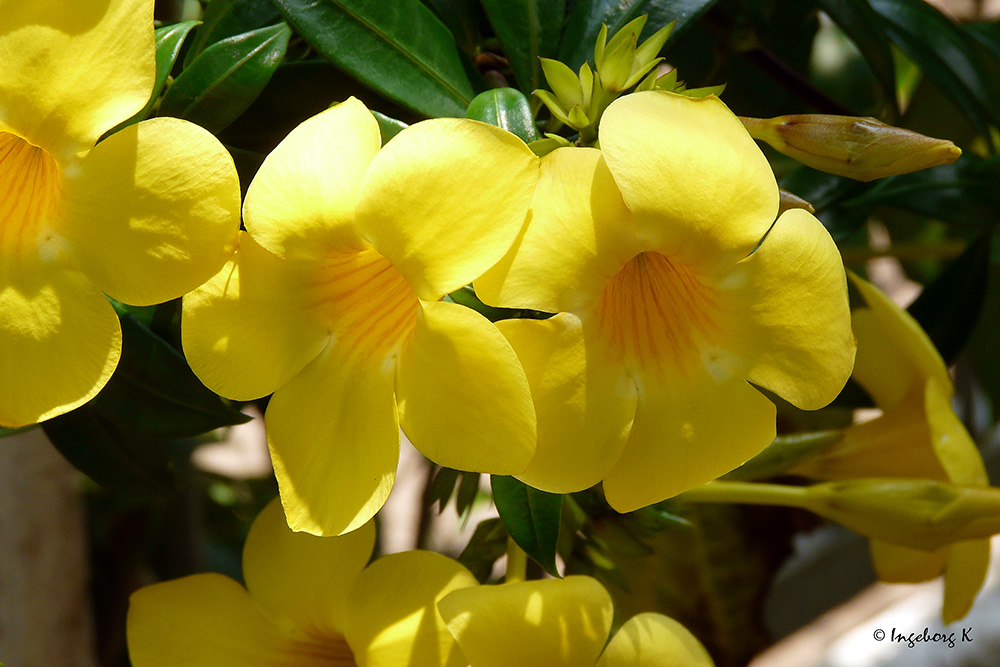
749,493
517,562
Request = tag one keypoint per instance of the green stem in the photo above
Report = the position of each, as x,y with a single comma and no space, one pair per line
750,493
517,562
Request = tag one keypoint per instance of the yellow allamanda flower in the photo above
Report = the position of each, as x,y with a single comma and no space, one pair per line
333,302
143,216
667,308
917,436
308,601
562,623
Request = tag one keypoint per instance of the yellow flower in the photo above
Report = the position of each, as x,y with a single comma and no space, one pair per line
144,216
333,302
918,435
307,601
668,310
562,623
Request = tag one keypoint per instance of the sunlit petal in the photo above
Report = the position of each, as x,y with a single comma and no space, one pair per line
72,71
584,405
392,616
544,623
444,201
250,329
153,211
964,576
578,236
301,202
334,442
654,640
463,399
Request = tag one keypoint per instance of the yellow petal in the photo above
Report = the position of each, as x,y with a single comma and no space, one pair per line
392,617
250,329
896,564
578,236
543,623
793,318
153,211
444,201
73,70
893,351
685,434
303,578
463,399
59,340
951,444
698,187
301,202
207,620
334,442
964,575
654,640
584,404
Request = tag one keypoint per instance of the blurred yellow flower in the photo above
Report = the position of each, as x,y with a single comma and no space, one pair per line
667,308
917,436
562,623
308,601
333,301
144,216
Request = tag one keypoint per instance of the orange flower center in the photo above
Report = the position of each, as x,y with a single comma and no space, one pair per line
29,188
656,314
367,303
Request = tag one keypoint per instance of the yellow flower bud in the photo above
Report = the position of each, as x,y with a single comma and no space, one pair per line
860,148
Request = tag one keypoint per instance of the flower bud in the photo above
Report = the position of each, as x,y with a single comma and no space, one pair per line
860,148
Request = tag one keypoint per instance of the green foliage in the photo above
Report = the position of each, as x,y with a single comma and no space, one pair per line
531,517
507,108
228,18
528,30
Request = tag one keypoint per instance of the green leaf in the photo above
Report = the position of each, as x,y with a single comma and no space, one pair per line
388,127
528,30
827,193
945,54
531,517
468,490
507,108
587,16
487,544
860,22
155,393
226,78
948,308
114,459
226,18
462,17
398,48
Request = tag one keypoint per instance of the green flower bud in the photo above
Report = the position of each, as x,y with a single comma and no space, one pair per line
860,148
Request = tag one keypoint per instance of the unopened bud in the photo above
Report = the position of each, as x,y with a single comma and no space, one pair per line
860,148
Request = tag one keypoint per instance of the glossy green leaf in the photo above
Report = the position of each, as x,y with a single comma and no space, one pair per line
226,78
155,393
948,308
398,48
507,108
113,458
945,54
860,22
531,517
388,127
528,30
586,17
227,18
463,18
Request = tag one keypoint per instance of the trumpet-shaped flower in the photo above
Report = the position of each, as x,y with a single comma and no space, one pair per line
144,216
676,291
918,435
333,302
562,623
308,601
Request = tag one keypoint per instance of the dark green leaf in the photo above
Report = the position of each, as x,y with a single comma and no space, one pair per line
226,18
948,308
988,36
226,78
527,29
154,392
945,54
114,459
587,16
507,108
860,22
398,48
462,17
531,517
487,544
388,127
442,487
468,489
